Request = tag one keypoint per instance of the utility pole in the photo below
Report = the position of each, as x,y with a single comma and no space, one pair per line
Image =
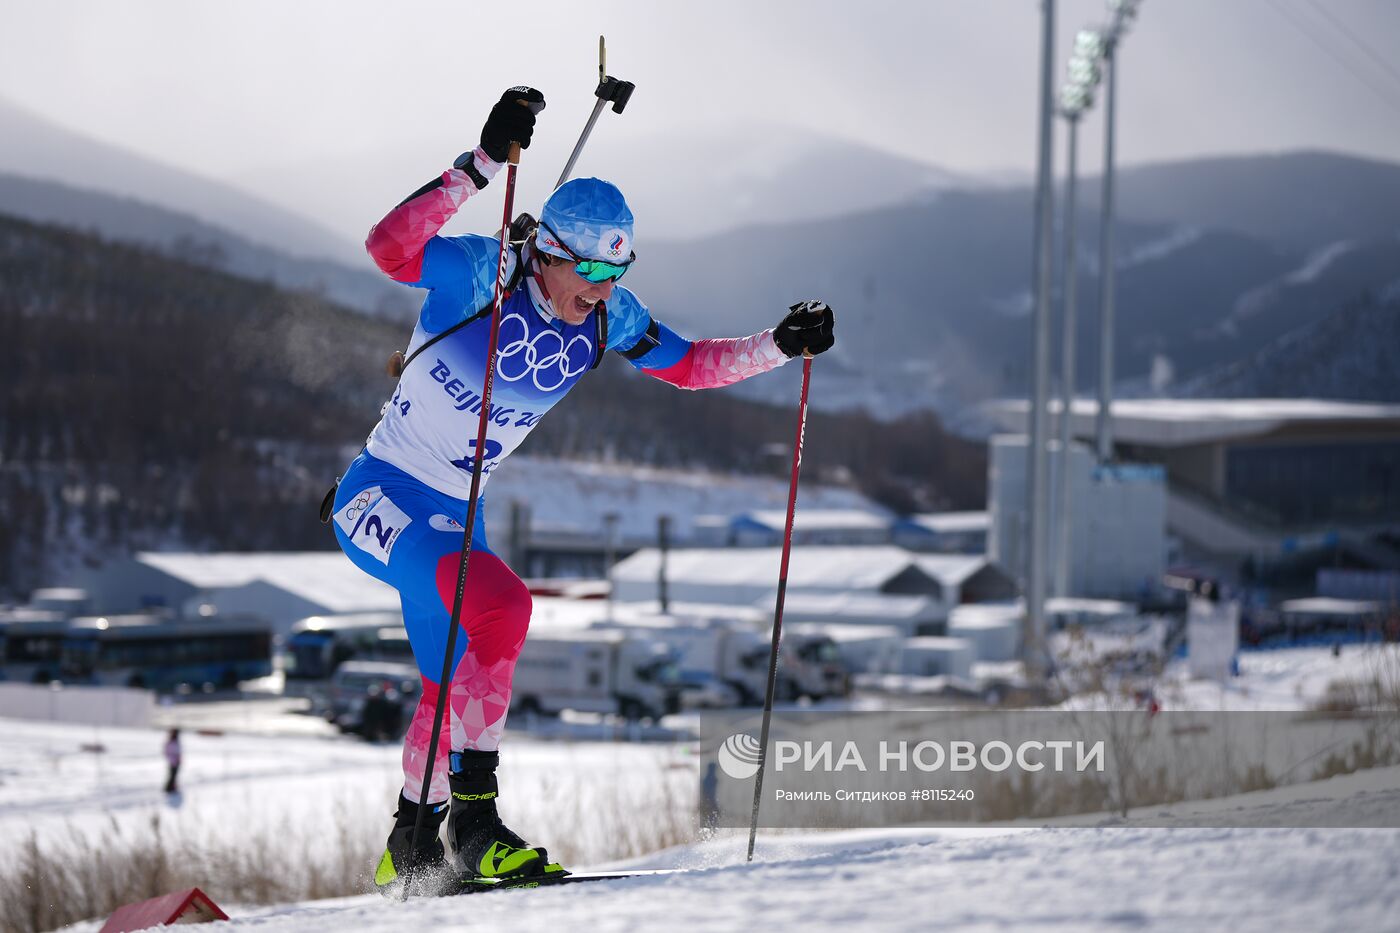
663,543
609,554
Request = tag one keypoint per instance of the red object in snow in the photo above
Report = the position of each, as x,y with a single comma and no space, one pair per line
188,906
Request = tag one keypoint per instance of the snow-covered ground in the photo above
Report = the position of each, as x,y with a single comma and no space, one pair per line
257,783
1284,679
1049,879
1288,679
237,785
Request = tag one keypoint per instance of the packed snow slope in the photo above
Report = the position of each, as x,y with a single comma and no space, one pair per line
1050,879
1110,874
257,780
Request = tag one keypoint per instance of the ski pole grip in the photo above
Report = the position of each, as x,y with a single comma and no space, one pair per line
615,92
535,107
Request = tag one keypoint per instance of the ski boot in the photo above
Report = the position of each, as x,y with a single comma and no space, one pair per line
483,849
428,870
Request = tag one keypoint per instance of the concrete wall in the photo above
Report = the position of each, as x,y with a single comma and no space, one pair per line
1118,520
98,706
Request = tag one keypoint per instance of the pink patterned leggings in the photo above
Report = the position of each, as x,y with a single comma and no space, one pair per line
495,615
408,536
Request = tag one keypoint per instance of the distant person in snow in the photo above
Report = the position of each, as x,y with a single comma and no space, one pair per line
399,508
172,760
382,718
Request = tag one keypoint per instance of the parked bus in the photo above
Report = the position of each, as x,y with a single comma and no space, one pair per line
33,648
148,651
163,654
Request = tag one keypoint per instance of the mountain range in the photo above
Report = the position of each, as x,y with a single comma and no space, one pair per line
37,147
183,236
1298,200
933,298
680,185
1350,354
929,272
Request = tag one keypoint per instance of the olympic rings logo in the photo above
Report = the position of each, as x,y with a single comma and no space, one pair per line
361,503
536,361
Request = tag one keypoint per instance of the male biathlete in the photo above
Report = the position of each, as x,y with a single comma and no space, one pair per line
399,507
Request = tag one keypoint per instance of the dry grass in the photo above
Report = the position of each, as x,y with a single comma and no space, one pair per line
1377,690
64,877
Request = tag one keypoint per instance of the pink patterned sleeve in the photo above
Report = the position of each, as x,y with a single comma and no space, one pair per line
709,364
396,243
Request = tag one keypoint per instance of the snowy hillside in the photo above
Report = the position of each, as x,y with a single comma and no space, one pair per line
1346,355
574,496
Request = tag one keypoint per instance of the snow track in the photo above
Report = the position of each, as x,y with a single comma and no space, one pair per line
1050,879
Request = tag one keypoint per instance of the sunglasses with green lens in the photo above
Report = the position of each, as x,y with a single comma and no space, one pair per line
592,270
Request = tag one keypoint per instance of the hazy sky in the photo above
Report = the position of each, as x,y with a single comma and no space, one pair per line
256,90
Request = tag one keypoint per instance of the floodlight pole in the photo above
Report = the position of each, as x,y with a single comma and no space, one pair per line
1067,362
1038,498
1106,277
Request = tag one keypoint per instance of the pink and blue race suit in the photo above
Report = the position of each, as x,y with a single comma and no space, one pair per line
399,508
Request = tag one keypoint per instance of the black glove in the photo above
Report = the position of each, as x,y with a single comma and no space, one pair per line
509,122
808,326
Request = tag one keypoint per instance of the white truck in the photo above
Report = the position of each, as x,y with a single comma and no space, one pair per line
807,666
738,655
596,671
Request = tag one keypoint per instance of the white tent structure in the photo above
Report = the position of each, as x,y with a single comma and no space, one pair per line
944,532
741,576
911,615
849,527
877,585
993,629
278,587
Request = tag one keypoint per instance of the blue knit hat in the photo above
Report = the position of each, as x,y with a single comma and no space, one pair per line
591,217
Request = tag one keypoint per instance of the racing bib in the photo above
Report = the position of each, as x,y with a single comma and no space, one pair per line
372,522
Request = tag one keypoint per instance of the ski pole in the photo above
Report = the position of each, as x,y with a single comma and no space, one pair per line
453,623
609,91
782,592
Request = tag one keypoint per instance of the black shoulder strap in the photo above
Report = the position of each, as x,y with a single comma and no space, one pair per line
649,340
602,316
480,312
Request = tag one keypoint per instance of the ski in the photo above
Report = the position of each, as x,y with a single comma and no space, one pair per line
481,885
